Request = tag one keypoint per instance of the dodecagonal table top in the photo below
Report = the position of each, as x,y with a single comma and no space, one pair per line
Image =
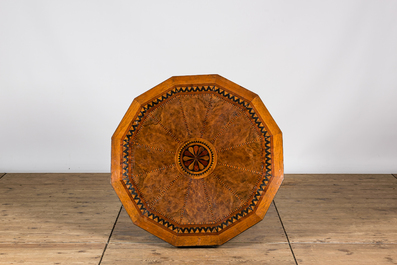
194,161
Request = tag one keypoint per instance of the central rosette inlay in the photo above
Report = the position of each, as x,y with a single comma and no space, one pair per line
196,158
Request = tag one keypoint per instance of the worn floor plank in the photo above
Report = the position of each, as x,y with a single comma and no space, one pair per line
166,254
339,208
345,254
329,219
45,208
55,218
61,253
264,243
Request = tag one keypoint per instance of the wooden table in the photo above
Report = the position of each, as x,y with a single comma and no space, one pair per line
197,160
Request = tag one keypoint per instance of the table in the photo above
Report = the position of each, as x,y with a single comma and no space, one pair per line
197,160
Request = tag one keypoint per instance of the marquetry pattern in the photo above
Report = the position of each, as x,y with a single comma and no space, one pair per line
196,158
237,215
205,228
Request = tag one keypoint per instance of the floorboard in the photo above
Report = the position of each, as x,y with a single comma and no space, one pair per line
74,219
340,219
264,243
346,254
54,253
166,254
57,216
339,208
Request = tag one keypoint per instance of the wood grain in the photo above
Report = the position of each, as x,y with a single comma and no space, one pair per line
345,254
38,208
166,254
330,219
339,208
264,243
269,231
55,218
65,253
206,112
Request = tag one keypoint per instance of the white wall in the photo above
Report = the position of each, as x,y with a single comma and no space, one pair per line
326,70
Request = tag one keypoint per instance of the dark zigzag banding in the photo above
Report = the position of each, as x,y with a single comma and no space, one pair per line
216,229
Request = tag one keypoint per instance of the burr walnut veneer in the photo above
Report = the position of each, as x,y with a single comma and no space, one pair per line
197,160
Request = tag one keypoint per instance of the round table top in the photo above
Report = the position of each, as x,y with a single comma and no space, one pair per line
196,160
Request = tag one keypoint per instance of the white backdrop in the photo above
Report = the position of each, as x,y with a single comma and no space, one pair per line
326,70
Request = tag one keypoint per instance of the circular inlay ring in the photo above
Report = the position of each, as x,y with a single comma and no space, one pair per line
196,158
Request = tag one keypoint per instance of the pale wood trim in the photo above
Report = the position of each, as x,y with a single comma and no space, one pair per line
266,116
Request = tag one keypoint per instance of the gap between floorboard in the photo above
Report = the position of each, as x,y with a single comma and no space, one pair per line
285,232
111,233
394,175
2,175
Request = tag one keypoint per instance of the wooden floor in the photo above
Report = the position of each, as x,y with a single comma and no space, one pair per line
315,219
